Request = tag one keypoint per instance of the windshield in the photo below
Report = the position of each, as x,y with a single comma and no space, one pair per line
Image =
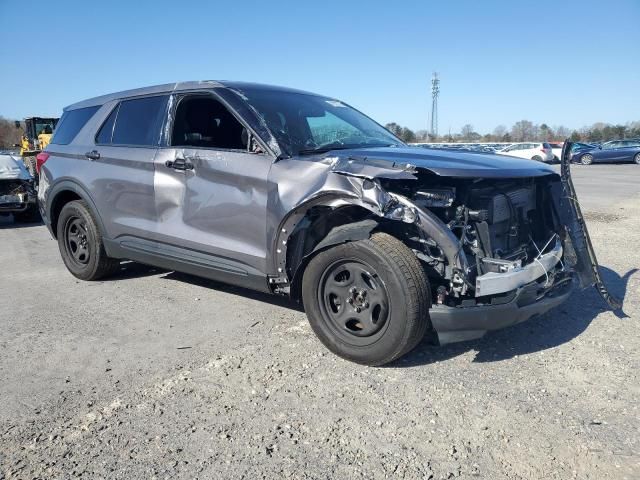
306,124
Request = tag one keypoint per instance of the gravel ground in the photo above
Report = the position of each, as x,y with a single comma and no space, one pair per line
161,375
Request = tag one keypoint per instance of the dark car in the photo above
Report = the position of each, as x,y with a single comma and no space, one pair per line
301,195
615,151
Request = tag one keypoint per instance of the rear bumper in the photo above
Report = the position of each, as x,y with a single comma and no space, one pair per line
456,324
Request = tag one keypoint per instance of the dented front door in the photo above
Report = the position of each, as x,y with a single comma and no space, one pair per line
214,202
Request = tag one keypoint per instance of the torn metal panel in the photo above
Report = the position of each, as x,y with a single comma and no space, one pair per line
364,167
587,263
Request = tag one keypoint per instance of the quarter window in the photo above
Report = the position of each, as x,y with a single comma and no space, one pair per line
139,121
106,131
71,123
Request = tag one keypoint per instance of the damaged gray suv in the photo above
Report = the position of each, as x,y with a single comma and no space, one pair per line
297,194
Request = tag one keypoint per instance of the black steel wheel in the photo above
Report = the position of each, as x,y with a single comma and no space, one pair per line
354,301
80,243
367,301
76,240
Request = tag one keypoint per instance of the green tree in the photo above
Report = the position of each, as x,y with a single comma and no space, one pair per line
546,133
394,128
575,136
595,135
407,135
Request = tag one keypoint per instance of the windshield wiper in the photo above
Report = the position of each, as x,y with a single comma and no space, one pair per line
311,151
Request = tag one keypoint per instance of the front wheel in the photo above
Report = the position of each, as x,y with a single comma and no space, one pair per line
637,158
367,301
587,159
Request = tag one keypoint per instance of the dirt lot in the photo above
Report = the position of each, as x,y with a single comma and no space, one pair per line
156,375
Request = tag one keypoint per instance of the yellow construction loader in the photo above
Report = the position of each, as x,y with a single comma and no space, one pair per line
37,135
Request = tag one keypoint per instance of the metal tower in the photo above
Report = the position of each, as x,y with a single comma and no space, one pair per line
435,91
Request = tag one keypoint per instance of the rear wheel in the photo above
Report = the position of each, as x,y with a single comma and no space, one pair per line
537,158
367,301
637,158
587,159
80,243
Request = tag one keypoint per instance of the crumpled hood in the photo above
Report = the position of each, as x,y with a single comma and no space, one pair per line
445,163
12,168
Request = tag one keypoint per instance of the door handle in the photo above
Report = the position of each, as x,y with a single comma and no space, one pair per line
92,155
179,164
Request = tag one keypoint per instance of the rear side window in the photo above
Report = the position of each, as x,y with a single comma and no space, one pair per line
139,121
71,123
106,131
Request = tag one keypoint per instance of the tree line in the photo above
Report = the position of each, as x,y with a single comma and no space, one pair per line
9,134
523,131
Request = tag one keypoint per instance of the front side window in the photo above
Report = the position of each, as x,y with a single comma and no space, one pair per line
202,121
139,121
304,123
71,123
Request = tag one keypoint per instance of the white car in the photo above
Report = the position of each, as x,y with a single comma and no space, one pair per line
556,149
534,151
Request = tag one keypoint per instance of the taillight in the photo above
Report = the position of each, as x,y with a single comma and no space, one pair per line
40,159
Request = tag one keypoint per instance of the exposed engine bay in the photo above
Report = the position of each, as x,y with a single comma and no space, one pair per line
507,235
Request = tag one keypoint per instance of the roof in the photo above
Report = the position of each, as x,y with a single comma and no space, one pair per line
179,86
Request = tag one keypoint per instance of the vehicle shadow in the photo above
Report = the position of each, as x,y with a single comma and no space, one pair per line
8,222
550,330
278,300
129,269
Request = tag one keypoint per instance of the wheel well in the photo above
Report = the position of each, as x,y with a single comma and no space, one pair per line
60,200
322,228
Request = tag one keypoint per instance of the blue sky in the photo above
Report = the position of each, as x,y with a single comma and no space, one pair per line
560,62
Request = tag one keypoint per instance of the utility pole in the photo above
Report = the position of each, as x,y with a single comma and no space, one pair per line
435,92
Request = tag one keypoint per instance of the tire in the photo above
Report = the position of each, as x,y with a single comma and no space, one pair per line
80,243
637,158
586,159
536,158
394,308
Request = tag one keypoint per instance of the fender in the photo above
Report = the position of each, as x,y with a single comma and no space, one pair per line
62,185
381,203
